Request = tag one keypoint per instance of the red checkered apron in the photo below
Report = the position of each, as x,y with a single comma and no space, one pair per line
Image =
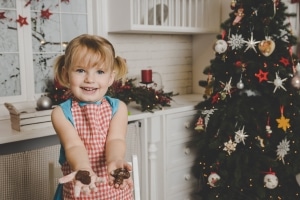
92,123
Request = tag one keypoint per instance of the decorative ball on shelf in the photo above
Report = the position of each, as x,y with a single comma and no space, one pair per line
44,103
213,179
271,181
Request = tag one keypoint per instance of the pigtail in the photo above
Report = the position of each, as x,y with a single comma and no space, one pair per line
58,70
120,68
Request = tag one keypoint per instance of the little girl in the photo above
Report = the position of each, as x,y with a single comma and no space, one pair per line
91,126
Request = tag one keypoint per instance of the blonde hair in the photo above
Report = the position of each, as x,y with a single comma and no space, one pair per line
96,50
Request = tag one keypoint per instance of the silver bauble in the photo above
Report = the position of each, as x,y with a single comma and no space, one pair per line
296,81
220,46
44,103
240,85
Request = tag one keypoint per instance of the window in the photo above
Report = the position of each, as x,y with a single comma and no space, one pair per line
32,34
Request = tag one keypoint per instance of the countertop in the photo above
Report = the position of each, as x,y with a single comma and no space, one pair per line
179,103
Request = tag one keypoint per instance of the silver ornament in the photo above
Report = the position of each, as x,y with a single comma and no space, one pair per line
44,103
296,82
240,85
220,46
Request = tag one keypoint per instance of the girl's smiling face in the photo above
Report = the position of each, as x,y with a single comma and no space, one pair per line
89,76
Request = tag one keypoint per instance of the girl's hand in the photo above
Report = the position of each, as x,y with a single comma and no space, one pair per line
119,167
84,182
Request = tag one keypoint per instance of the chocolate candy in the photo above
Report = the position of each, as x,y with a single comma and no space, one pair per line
120,174
83,176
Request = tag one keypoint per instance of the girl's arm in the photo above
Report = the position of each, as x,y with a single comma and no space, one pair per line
116,143
75,151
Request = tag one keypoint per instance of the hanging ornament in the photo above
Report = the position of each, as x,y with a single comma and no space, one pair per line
220,46
236,41
275,4
240,136
268,128
271,180
46,14
209,87
238,16
213,179
251,43
22,20
278,83
207,114
298,178
232,4
284,61
215,98
262,76
283,122
227,87
282,149
44,103
296,79
261,141
199,124
266,47
230,146
240,85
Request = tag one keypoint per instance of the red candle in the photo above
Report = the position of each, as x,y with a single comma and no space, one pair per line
147,76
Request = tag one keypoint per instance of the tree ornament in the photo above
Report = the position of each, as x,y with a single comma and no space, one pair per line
271,180
261,141
251,43
282,149
284,61
22,20
278,83
238,16
207,114
240,85
232,4
213,179
283,122
296,79
220,46
44,103
199,124
262,76
266,47
268,128
236,41
230,146
240,136
227,86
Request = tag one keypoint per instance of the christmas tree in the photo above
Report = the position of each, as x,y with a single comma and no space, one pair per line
248,127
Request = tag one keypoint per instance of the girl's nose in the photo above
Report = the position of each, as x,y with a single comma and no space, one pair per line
89,78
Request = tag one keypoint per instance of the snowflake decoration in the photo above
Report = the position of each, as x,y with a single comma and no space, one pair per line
207,114
240,136
227,86
278,83
251,43
230,146
282,149
236,41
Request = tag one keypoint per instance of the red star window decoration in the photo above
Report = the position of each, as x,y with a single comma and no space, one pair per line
46,14
262,76
284,61
2,15
22,20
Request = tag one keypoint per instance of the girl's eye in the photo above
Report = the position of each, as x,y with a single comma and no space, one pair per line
80,70
100,72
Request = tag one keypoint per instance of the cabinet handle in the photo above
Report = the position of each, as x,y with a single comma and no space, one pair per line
187,124
187,151
187,177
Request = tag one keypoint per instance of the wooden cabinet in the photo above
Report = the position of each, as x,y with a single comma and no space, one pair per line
164,16
179,156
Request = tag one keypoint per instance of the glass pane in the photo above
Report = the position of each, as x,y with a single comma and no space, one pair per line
67,20
73,25
45,33
10,75
43,71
